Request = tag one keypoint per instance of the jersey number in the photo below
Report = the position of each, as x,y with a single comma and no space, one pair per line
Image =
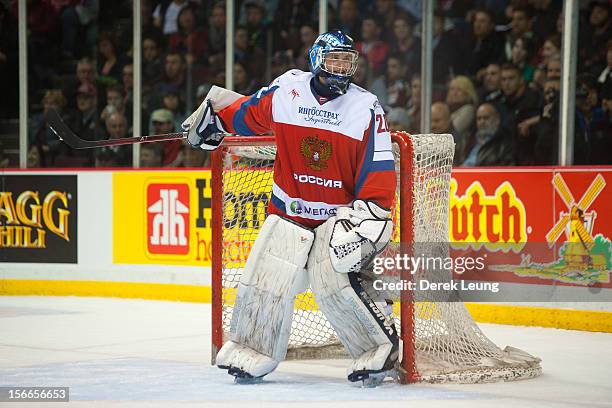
382,123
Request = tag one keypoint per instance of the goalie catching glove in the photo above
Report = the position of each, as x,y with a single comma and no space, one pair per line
205,130
359,234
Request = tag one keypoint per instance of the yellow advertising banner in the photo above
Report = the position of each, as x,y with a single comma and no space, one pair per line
162,217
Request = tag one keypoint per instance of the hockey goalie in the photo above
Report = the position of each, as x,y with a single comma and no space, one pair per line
329,213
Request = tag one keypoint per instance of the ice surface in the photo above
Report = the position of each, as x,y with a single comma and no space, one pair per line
137,353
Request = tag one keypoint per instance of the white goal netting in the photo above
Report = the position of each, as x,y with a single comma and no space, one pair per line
446,343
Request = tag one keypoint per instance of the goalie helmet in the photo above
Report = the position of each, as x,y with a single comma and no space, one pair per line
333,58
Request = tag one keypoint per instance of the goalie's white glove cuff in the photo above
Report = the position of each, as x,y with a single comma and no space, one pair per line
359,233
206,131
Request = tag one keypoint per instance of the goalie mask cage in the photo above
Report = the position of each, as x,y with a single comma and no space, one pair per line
440,342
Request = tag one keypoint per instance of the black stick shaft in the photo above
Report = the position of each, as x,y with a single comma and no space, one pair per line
138,139
66,134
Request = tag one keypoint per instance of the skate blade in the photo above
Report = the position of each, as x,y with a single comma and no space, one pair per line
375,379
242,377
247,380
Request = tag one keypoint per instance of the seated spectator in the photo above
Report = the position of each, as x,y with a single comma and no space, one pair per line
190,39
362,76
256,28
85,120
404,43
109,62
546,131
151,62
289,17
282,61
42,25
244,83
491,84
593,37
546,13
308,35
216,31
147,22
462,101
492,144
398,119
172,102
392,89
386,11
115,102
551,49
605,75
593,124
85,75
117,128
371,47
174,75
34,158
445,53
127,82
39,132
441,123
521,25
105,158
349,21
252,57
165,15
523,105
522,54
484,46
414,104
602,128
151,155
553,68
589,118
79,21
116,125
163,122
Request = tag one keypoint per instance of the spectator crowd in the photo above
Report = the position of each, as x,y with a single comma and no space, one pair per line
496,71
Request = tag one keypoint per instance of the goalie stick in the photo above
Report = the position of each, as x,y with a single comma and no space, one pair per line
64,133
221,97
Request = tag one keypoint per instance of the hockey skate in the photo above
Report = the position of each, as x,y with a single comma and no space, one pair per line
242,377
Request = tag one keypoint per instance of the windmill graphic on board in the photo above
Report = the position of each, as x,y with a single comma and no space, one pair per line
582,259
576,222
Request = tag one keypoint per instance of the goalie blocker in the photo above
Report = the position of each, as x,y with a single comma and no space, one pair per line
275,272
204,128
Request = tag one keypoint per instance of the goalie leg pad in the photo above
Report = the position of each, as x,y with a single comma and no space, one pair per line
261,319
244,362
363,324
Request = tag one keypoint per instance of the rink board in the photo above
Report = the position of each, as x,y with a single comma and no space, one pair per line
146,234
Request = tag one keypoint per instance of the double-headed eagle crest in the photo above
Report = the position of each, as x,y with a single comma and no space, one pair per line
316,152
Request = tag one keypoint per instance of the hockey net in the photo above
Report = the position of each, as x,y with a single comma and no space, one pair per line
440,340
